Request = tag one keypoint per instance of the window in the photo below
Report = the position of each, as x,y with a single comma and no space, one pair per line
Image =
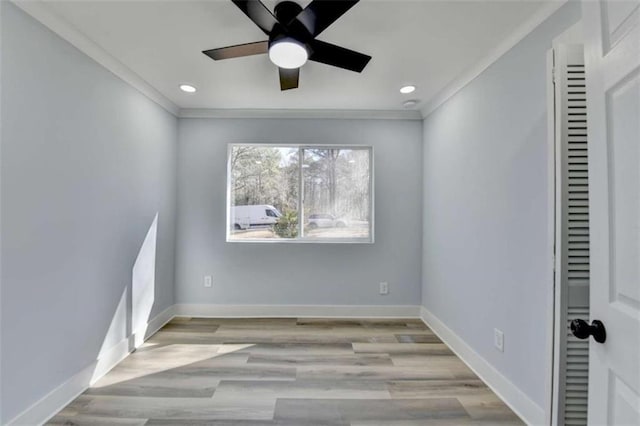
300,193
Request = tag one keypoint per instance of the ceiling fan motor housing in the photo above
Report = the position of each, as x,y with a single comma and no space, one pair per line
287,10
289,27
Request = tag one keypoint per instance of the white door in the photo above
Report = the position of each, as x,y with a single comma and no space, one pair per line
612,54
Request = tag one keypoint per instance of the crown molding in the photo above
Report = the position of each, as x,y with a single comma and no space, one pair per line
38,10
347,114
506,45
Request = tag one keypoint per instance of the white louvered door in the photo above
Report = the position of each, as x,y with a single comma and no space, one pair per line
572,229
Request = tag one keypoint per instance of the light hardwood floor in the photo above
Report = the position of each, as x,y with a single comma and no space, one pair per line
288,372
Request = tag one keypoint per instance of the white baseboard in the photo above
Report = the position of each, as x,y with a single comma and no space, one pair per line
55,400
60,397
110,358
530,412
155,324
159,321
288,311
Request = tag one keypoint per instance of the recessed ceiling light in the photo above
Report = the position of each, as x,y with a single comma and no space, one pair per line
410,103
407,89
288,53
188,88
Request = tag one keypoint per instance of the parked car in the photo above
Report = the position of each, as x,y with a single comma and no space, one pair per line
244,217
323,220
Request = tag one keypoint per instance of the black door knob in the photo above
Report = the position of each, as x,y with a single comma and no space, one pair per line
582,330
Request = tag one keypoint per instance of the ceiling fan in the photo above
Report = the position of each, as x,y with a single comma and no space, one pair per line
292,33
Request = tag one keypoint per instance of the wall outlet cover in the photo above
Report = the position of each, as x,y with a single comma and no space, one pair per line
498,339
384,288
208,281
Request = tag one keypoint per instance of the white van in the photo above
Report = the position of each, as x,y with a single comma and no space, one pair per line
244,217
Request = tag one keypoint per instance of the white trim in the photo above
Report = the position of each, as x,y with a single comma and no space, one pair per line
111,358
347,114
551,234
39,11
155,324
507,44
55,400
521,404
41,411
159,321
296,311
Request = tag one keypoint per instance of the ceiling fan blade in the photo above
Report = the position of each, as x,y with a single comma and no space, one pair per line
319,14
237,51
289,78
258,13
337,56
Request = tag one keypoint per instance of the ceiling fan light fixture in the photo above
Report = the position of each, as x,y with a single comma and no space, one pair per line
288,53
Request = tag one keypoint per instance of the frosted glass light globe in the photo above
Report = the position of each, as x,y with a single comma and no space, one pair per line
288,54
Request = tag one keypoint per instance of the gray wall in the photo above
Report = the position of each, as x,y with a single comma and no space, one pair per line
486,261
280,273
87,162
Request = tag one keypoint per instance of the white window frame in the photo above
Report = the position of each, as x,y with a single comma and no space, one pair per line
301,239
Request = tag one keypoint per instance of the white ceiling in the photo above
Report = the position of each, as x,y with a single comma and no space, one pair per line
426,43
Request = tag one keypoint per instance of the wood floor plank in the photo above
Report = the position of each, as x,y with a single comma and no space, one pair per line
364,322
177,408
299,348
418,338
260,337
372,373
164,388
451,363
301,388
188,422
438,422
418,359
488,407
83,420
437,388
403,348
191,327
248,322
389,410
304,359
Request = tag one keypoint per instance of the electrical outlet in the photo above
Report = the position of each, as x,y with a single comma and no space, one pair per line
208,281
384,288
498,339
